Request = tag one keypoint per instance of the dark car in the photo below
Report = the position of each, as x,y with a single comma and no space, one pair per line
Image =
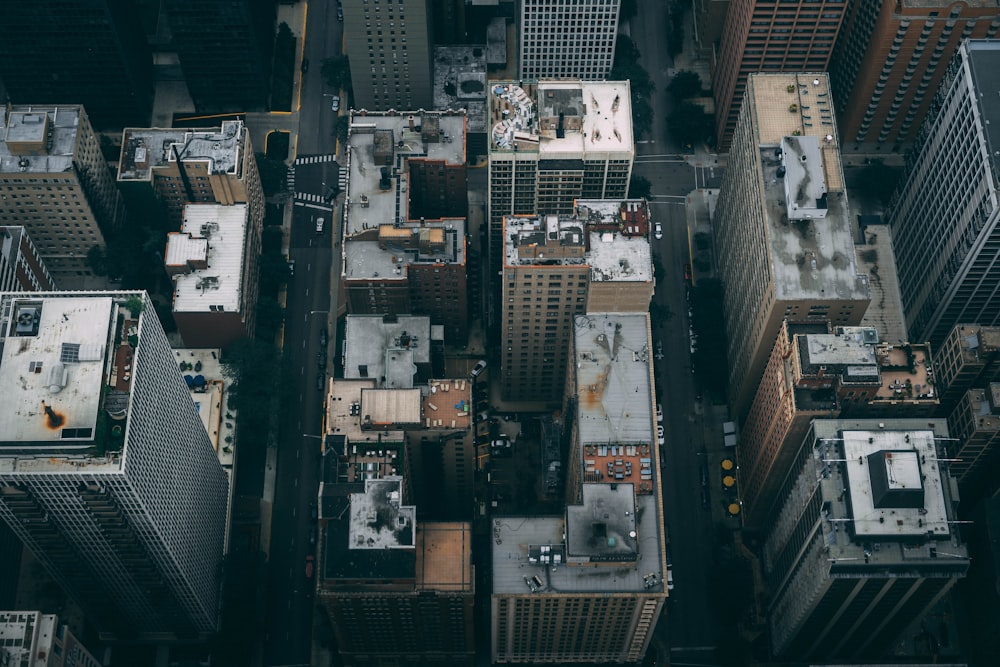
320,381
322,337
321,360
312,535
309,566
305,65
313,511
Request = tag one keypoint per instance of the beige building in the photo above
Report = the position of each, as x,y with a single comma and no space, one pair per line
175,167
975,426
969,357
588,585
556,267
21,266
55,182
783,225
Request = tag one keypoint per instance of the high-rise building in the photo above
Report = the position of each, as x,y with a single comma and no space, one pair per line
37,639
783,225
889,60
390,54
770,36
448,22
553,143
556,267
165,169
568,39
225,50
405,218
213,262
975,426
21,266
865,542
89,52
944,217
709,22
968,358
814,373
588,585
55,183
106,471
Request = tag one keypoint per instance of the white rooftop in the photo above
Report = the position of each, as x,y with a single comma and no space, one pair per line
617,258
544,239
214,234
389,351
379,520
55,126
144,149
852,347
46,391
894,480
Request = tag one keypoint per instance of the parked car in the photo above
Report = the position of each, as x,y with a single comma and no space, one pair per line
312,535
340,14
331,193
313,511
335,103
291,267
309,566
478,369
319,225
658,231
670,578
322,337
687,272
320,381
305,65
660,439
659,412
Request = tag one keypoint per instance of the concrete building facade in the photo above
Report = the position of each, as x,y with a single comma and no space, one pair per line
390,57
864,543
975,425
588,586
968,358
945,215
404,248
107,473
568,39
769,36
21,265
55,183
783,238
891,57
40,640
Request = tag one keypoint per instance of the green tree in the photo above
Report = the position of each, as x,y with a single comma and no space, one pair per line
689,124
274,271
273,174
639,187
270,315
337,72
685,84
343,126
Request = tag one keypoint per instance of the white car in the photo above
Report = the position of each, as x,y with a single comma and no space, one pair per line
658,231
659,435
478,368
335,103
319,225
659,413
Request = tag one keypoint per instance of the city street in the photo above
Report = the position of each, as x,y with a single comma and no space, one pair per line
290,594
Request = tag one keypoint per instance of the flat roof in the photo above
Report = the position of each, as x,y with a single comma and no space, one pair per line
386,252
53,365
875,257
618,258
545,240
378,140
214,234
211,400
389,407
444,556
447,404
984,66
147,149
603,527
460,82
561,117
386,350
57,126
379,520
853,345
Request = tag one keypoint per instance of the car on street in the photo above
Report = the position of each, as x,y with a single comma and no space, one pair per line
312,535
291,267
331,193
309,566
321,360
335,103
340,14
313,511
478,369
320,381
322,337
670,578
687,272
305,65
660,439
658,231
659,412
319,225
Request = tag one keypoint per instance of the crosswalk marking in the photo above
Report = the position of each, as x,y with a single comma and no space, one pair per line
308,196
315,159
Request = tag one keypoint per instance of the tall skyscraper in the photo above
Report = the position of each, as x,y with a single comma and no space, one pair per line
556,267
769,36
89,52
568,39
225,50
37,639
55,182
864,544
889,60
783,225
588,585
405,218
969,357
975,426
21,266
390,54
945,215
106,471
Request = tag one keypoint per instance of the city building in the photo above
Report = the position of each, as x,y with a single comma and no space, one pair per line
214,271
769,36
397,351
944,216
89,52
813,373
968,358
891,57
165,169
404,249
31,638
557,267
21,265
225,50
55,183
448,22
588,586
782,225
568,39
709,21
552,143
390,55
865,541
460,83
106,472
975,426
397,590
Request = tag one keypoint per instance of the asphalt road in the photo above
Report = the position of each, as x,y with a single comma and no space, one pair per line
290,595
